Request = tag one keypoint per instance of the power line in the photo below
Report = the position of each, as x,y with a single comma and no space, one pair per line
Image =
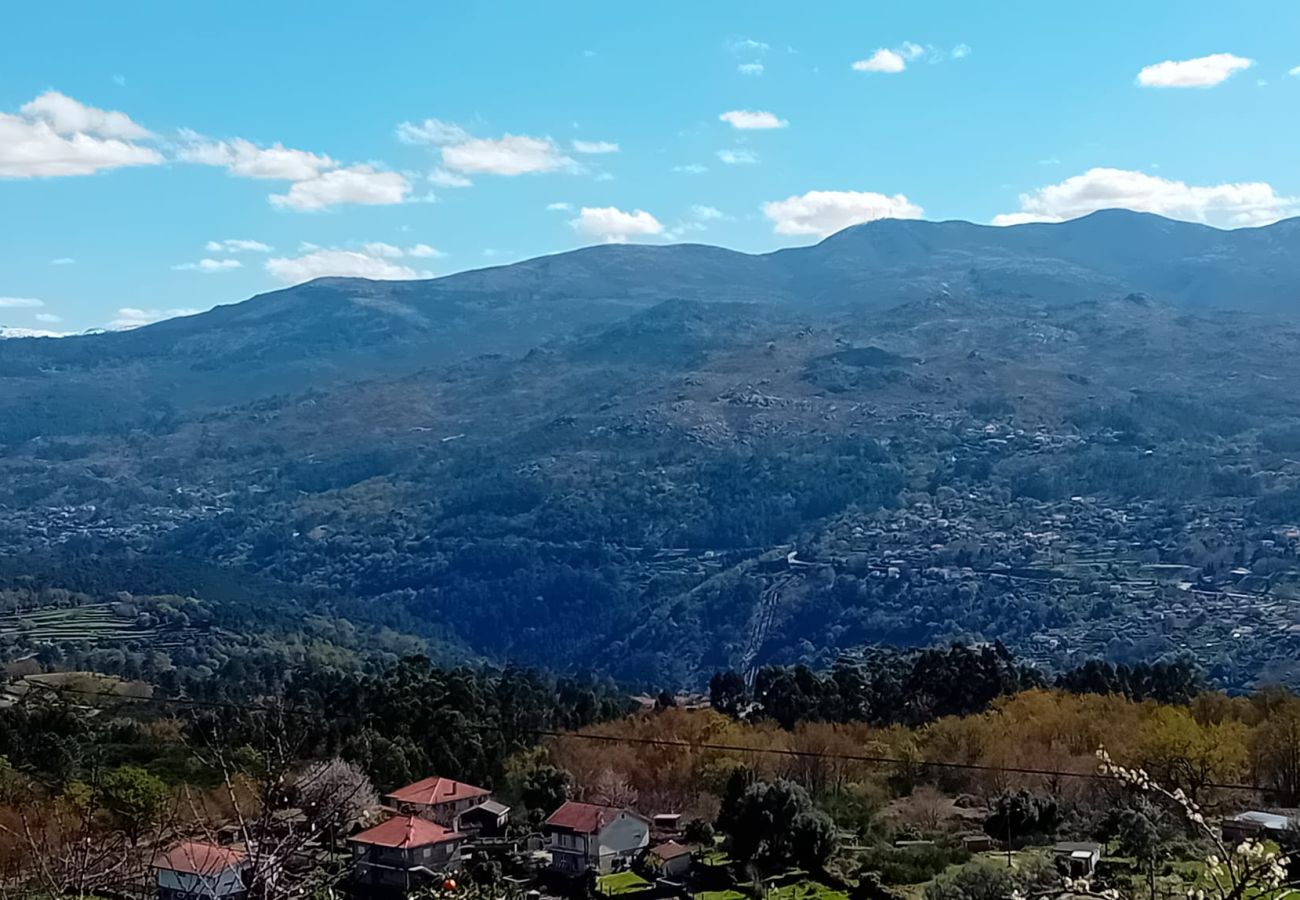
875,759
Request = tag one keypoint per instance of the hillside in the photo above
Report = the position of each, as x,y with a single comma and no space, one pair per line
725,470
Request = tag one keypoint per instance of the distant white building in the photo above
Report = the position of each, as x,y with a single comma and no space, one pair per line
199,871
1253,824
584,837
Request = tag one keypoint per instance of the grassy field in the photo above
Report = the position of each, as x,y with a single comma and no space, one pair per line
806,890
621,883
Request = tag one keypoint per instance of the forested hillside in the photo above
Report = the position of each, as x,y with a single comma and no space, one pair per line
687,485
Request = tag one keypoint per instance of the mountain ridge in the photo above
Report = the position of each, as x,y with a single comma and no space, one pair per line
337,330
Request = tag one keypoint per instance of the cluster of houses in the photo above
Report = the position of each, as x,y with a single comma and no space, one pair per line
429,823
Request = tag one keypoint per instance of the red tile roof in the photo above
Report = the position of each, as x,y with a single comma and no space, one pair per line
670,850
584,818
435,790
197,858
403,832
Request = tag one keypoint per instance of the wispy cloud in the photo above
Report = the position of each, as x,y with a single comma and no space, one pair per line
1203,71
209,266
595,147
737,157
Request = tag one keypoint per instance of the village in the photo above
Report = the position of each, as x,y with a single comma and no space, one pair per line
439,837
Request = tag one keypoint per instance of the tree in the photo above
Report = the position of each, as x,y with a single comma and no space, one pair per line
1019,815
1276,746
776,824
727,693
739,781
335,795
698,831
1143,832
544,789
871,887
977,880
1183,753
133,799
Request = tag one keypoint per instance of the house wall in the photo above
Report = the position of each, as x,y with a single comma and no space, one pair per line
185,884
445,814
570,853
621,840
392,866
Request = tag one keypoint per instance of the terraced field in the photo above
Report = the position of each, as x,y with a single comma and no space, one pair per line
91,623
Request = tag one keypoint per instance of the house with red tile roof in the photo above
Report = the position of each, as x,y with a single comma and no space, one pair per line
440,800
585,836
195,870
405,852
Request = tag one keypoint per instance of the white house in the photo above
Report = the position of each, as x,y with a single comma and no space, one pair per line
440,800
199,871
583,836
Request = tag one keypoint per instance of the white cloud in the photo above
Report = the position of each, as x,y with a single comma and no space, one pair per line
752,68
706,213
20,303
559,206
614,225
320,263
740,45
826,212
55,135
1295,71
748,119
132,317
595,147
1221,205
48,318
209,266
361,185
432,131
443,178
896,60
68,117
236,245
8,333
247,160
514,154
691,169
62,261
424,251
1204,71
738,157
387,251
883,60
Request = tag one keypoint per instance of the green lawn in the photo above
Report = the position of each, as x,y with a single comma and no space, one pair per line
806,890
721,895
621,883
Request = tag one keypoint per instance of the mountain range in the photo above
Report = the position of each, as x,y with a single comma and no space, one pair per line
656,461
337,330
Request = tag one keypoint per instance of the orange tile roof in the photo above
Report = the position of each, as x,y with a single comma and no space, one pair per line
198,858
584,818
435,790
403,832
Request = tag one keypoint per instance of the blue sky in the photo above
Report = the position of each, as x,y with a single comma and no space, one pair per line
259,144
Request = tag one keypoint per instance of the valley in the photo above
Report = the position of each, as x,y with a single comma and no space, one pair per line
711,484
